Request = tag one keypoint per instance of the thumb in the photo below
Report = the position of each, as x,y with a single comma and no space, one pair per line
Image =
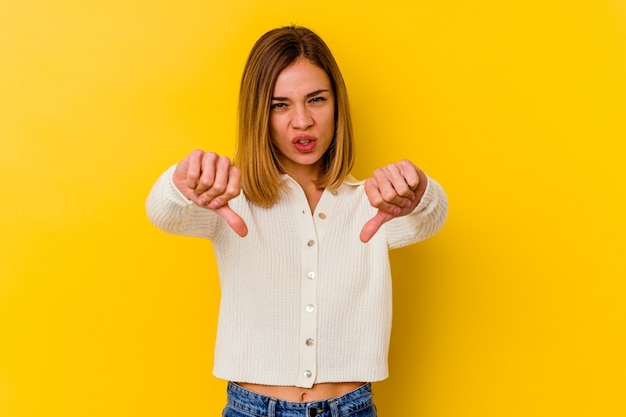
371,227
233,219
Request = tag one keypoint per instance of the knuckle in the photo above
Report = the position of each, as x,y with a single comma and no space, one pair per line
389,195
378,172
193,176
205,182
232,190
403,189
218,187
223,160
376,201
208,157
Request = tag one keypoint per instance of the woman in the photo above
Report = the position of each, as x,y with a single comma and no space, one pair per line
305,313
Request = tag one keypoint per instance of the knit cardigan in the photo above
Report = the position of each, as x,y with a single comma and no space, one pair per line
303,300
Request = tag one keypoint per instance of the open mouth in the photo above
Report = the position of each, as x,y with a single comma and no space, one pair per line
304,144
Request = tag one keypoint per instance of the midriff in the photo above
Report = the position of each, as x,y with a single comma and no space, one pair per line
318,392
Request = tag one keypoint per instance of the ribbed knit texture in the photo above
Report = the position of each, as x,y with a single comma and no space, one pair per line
264,284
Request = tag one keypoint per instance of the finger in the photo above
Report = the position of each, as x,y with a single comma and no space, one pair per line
376,199
180,175
206,172
371,227
231,189
192,169
398,174
217,177
233,219
186,174
410,173
392,186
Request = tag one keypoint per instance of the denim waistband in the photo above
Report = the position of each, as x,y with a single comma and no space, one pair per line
260,405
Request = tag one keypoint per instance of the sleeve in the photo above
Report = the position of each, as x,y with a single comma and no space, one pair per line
169,210
427,219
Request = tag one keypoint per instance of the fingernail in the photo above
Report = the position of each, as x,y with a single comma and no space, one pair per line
215,204
202,201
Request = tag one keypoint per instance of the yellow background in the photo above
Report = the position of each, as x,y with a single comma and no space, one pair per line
517,107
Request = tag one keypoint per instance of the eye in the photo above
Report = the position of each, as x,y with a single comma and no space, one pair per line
277,106
318,99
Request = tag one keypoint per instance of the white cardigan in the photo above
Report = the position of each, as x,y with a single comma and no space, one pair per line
304,301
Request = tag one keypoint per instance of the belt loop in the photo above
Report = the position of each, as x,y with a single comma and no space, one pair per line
334,408
271,408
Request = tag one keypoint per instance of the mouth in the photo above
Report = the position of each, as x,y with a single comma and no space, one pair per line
303,140
304,143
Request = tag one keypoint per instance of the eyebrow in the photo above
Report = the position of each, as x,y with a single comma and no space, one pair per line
311,94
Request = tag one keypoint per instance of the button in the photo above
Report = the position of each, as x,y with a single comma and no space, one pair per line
322,216
309,308
310,243
311,275
310,342
308,374
334,193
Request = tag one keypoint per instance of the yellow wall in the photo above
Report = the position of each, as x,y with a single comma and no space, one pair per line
515,309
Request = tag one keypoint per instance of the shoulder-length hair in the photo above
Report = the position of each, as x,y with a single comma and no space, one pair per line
255,155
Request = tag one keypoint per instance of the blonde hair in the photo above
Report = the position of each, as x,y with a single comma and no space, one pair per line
256,156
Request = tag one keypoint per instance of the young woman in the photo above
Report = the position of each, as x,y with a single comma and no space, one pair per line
305,313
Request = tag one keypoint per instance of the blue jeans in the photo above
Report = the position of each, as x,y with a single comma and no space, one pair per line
243,403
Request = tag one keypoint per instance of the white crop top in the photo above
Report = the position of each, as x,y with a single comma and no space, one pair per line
303,300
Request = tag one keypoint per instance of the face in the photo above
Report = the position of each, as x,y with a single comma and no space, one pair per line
302,117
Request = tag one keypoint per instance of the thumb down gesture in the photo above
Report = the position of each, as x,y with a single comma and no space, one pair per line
395,190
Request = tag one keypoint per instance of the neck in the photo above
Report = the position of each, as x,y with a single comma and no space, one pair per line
307,176
308,184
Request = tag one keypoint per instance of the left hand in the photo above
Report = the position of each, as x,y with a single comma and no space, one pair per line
395,190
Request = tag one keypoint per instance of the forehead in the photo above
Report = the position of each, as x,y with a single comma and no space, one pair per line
302,76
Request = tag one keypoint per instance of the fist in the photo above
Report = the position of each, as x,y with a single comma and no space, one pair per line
395,190
211,181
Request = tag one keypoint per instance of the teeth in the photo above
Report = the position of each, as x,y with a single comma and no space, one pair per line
304,142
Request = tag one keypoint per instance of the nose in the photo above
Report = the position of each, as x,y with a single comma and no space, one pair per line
301,118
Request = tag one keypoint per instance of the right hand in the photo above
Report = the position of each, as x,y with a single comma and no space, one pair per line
210,181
